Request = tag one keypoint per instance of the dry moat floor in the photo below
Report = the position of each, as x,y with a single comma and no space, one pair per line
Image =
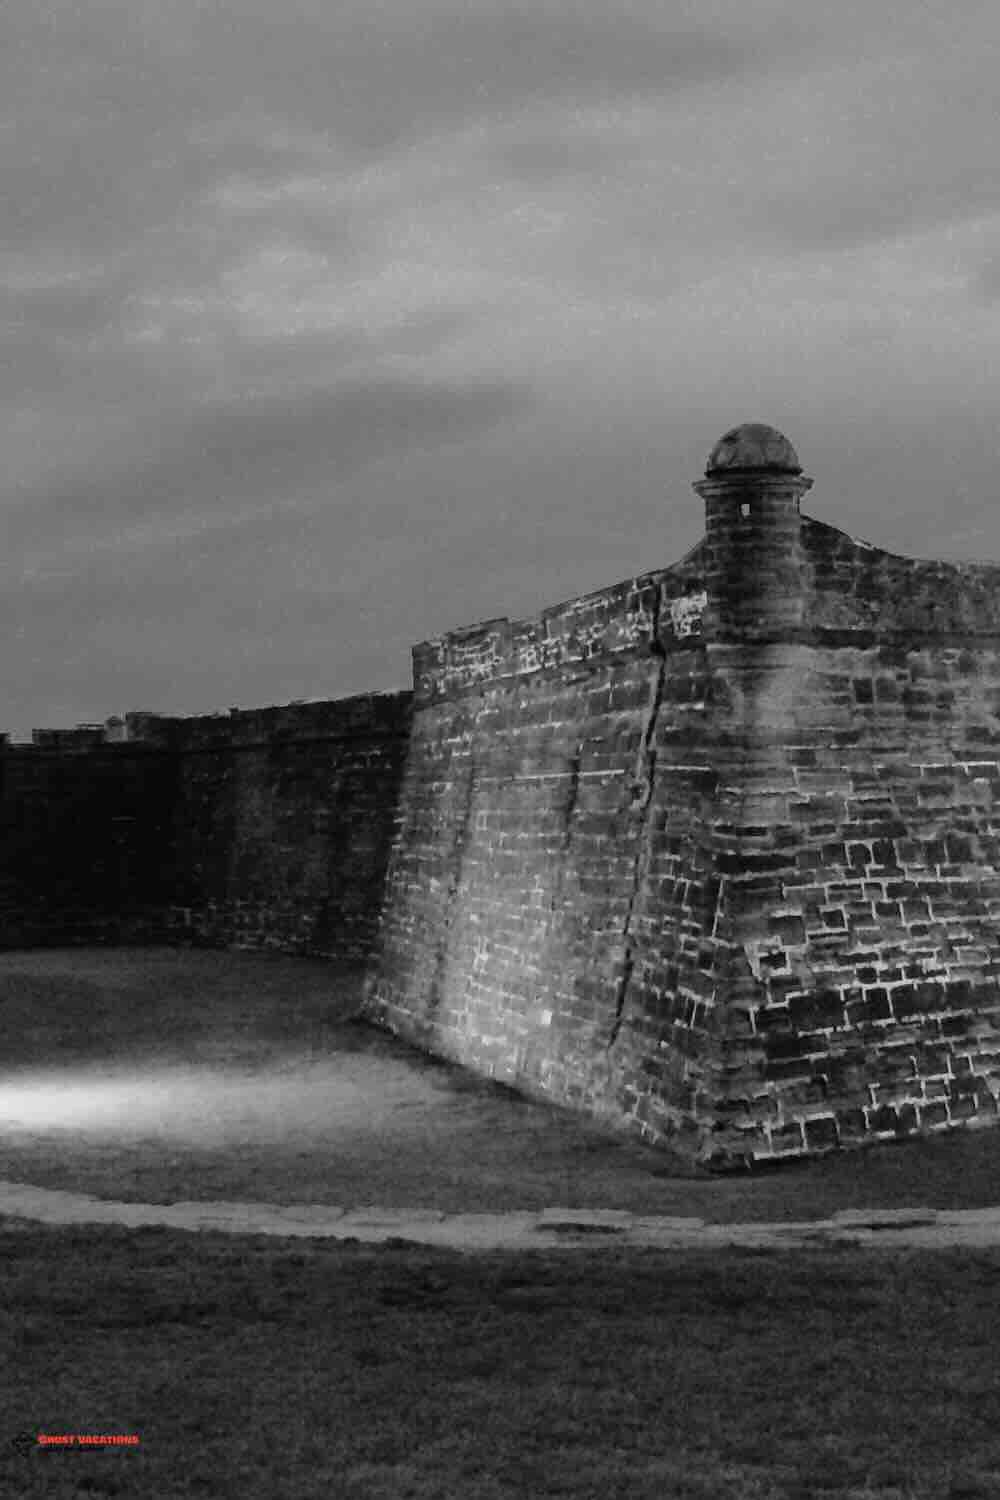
271,1367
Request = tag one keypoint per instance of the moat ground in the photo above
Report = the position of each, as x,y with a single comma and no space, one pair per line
258,1367
156,1075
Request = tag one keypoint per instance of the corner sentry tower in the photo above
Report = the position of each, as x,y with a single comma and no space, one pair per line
753,556
755,570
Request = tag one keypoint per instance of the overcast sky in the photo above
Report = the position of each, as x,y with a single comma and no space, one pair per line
331,325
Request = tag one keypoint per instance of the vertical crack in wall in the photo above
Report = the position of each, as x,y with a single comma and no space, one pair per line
719,903
642,797
572,796
456,861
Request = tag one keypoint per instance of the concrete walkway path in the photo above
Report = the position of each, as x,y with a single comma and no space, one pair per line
554,1227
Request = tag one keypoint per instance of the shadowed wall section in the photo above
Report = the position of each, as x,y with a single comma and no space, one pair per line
85,834
260,829
283,822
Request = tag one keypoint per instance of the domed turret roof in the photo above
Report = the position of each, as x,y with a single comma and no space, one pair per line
753,445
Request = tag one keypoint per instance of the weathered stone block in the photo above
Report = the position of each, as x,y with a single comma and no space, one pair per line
934,1115
788,1138
816,1011
822,1134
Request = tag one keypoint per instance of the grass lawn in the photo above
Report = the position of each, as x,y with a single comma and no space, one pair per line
262,1368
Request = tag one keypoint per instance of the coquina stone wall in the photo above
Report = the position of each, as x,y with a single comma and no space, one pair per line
283,822
865,891
714,853
552,897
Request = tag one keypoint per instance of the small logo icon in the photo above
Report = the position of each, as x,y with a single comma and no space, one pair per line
23,1442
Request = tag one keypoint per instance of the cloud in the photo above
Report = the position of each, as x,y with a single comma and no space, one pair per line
985,280
221,462
263,266
115,103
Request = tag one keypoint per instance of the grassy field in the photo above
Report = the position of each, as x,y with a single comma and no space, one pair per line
256,1368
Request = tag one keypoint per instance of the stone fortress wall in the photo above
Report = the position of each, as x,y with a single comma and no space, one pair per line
268,828
711,854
